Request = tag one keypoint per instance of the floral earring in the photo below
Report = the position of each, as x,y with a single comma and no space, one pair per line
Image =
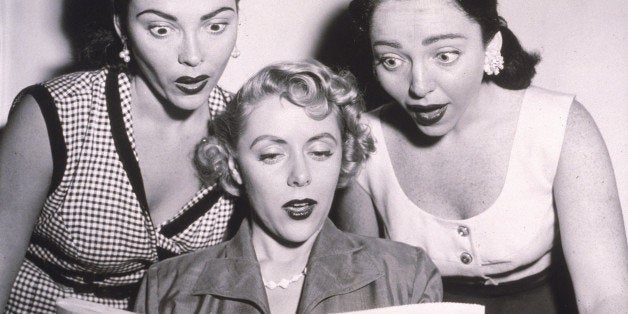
493,60
124,54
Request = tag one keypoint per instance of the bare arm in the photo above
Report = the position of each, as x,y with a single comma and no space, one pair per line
354,211
590,218
25,174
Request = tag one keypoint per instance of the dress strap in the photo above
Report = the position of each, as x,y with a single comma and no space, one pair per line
53,125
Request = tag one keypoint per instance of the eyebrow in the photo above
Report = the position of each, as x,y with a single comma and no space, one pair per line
281,141
322,136
392,44
427,41
432,39
174,18
267,138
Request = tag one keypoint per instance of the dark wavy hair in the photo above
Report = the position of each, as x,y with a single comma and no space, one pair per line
519,65
307,84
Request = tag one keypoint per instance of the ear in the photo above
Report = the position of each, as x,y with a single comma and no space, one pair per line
496,43
118,26
233,171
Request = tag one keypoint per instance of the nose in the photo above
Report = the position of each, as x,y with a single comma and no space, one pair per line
421,83
299,174
190,53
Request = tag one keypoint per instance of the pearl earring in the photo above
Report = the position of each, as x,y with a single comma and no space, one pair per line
124,54
235,52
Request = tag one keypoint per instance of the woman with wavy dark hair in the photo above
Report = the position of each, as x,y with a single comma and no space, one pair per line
97,179
291,136
481,169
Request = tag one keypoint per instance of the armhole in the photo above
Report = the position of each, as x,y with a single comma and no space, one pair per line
53,126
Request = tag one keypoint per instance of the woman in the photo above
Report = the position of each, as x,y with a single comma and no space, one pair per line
84,193
290,137
471,160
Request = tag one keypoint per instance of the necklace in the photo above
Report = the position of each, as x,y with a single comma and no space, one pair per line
284,283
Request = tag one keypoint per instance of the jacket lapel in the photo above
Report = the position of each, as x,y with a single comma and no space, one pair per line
236,275
337,265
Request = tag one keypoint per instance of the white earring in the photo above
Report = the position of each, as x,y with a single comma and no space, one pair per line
124,54
493,62
233,171
235,52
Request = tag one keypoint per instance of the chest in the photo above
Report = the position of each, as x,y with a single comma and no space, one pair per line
167,171
454,179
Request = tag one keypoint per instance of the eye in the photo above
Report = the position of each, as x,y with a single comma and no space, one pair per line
321,155
216,28
270,158
160,30
447,56
390,63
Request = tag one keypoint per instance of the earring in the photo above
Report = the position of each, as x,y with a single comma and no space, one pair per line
493,62
124,54
235,52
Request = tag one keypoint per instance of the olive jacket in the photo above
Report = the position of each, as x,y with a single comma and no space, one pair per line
345,272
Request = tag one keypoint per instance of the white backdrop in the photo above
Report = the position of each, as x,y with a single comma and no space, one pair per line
583,45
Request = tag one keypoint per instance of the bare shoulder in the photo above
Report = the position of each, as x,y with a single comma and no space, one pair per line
26,128
582,135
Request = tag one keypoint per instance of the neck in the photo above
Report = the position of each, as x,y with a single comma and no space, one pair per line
149,108
269,249
481,107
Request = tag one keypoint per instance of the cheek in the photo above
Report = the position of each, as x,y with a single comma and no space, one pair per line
394,83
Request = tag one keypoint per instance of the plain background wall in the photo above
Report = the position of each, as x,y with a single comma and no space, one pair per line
583,45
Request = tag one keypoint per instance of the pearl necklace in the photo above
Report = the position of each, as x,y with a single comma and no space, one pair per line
284,283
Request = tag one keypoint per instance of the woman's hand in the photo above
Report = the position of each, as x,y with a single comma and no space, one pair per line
25,174
590,218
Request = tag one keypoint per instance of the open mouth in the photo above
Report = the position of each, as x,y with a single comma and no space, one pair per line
299,209
191,85
427,115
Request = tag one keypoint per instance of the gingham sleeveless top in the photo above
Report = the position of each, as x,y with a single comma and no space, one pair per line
94,237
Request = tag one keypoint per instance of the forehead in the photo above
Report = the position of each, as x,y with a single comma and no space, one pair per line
420,17
180,8
273,115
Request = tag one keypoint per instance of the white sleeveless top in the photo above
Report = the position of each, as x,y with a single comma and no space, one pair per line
512,239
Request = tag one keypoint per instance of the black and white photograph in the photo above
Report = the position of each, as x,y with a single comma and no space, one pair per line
313,156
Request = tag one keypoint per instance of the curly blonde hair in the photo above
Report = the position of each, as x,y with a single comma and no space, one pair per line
308,84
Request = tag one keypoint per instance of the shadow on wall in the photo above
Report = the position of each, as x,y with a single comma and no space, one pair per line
341,49
89,28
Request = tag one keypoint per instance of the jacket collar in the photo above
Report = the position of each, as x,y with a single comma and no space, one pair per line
336,265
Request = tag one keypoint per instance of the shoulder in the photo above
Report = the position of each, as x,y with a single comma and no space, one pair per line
189,262
544,97
387,252
72,84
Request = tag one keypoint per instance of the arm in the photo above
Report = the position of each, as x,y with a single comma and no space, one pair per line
25,174
354,211
590,218
148,296
428,285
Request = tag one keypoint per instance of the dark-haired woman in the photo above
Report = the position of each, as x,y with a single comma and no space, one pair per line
481,169
97,180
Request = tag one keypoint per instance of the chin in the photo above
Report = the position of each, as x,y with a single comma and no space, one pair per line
435,131
191,102
299,233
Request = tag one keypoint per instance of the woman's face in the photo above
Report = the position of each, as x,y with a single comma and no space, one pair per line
290,164
429,57
182,46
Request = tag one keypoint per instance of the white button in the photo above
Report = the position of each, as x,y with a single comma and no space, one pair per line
463,231
466,258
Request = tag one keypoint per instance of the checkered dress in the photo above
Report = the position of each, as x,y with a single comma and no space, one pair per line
94,237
